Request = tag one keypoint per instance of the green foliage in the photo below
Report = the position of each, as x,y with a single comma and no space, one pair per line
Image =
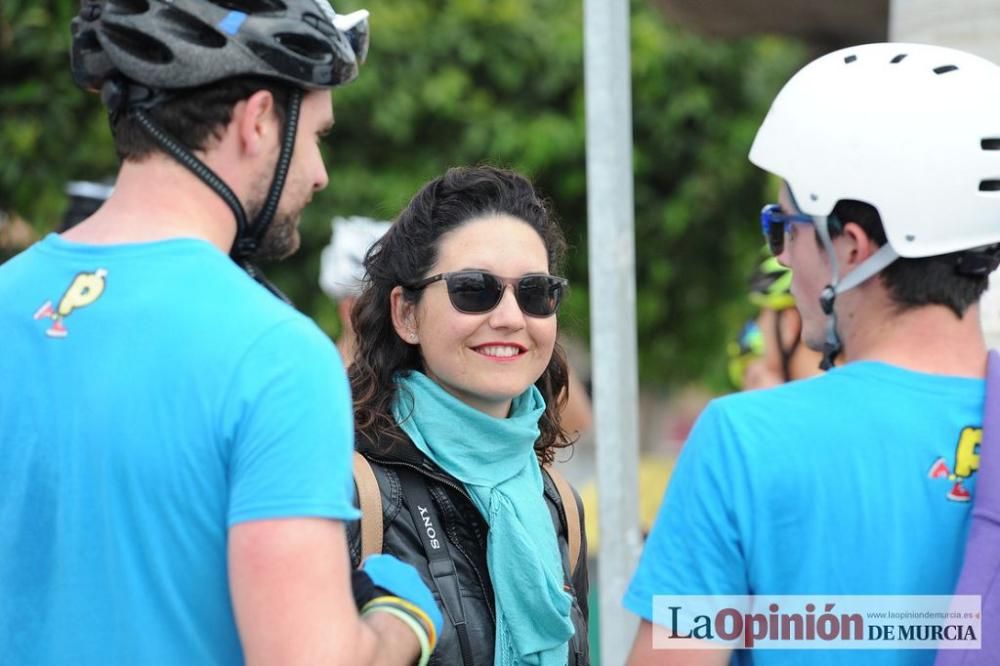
453,82
50,132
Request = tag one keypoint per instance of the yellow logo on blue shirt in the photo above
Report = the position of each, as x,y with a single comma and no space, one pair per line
82,291
966,463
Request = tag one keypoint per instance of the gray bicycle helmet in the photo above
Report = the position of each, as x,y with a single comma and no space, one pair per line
140,53
176,44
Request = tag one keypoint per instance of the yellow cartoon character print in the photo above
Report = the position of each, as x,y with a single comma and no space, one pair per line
966,463
82,291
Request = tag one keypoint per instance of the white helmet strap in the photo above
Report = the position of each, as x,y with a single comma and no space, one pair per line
868,268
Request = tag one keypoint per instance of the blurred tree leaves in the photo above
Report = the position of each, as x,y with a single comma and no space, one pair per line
453,82
49,130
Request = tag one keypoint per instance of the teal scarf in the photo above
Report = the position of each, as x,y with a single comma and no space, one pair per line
495,459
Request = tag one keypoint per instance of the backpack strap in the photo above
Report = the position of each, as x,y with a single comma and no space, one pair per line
370,503
573,531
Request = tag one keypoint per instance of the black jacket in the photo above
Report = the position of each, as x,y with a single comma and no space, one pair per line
466,540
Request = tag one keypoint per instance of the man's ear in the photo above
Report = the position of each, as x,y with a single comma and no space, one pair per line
256,121
855,246
404,316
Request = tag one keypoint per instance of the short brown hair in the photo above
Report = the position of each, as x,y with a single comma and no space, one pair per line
193,116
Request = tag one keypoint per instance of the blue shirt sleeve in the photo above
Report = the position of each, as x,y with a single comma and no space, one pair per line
695,547
290,421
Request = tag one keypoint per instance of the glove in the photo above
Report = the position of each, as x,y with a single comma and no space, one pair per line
387,574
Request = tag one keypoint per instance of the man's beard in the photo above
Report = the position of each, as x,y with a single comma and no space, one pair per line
281,239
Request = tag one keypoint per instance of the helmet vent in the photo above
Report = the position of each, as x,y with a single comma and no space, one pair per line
252,6
189,29
944,69
320,23
990,144
898,59
304,45
849,59
139,46
87,42
127,7
989,186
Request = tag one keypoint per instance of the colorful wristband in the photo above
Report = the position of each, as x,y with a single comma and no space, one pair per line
411,622
416,611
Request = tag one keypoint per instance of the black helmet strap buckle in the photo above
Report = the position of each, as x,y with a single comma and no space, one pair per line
120,95
832,345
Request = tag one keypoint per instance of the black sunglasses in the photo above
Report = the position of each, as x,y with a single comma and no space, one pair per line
476,292
775,223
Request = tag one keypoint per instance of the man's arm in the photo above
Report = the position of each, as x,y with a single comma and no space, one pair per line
643,653
291,591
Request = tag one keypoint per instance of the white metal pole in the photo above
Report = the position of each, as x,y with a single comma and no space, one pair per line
610,221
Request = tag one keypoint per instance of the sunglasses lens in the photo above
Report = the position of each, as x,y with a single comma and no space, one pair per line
539,295
775,237
474,291
772,223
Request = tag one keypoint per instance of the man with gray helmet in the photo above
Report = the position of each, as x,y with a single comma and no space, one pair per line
174,440
856,482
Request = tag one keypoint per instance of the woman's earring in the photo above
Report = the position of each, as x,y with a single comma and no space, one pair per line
413,336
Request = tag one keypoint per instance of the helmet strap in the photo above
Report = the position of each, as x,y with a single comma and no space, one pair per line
174,148
246,243
258,275
248,238
871,266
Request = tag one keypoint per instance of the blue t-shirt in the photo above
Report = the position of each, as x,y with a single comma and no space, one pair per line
836,485
151,396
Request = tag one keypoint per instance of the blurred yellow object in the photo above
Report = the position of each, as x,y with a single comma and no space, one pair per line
654,473
15,235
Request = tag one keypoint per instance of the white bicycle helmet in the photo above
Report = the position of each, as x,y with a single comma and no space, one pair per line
342,262
912,129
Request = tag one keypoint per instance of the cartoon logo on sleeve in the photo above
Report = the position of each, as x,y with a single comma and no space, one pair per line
83,290
966,463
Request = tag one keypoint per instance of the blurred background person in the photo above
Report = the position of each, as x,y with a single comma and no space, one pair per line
84,198
743,351
15,235
776,352
342,271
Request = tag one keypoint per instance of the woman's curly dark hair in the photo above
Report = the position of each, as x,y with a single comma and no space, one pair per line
404,255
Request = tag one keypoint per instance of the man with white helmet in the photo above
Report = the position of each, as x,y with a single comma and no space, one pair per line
342,271
857,482
174,440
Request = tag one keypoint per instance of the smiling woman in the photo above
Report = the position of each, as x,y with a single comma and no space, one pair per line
455,389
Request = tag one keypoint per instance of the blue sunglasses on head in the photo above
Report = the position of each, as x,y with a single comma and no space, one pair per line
774,223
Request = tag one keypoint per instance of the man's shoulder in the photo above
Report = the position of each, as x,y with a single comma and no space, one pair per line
756,425
804,394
